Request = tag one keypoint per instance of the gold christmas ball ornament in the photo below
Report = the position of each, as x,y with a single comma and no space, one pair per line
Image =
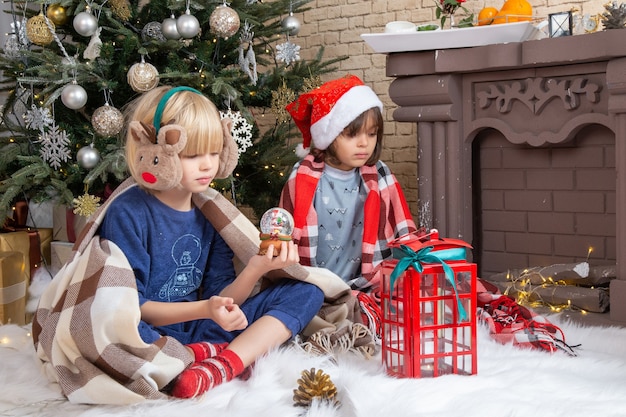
121,9
224,21
38,32
143,77
107,120
57,14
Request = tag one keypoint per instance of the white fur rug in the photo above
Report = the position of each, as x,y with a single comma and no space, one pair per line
511,382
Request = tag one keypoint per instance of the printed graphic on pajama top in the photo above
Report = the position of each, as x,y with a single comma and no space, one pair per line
187,277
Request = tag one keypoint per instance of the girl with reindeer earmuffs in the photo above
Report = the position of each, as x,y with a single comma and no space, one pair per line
187,285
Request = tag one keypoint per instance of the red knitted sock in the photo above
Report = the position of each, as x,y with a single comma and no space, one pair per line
202,376
206,350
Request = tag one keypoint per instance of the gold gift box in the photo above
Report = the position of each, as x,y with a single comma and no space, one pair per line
20,241
13,288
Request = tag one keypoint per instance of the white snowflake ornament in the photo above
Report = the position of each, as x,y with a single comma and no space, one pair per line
38,118
288,52
54,146
241,129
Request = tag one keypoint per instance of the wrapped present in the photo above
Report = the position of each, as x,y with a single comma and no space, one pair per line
428,302
22,241
40,214
13,288
61,252
33,243
66,224
45,240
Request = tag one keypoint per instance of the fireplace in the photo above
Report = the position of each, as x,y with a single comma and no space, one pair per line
521,149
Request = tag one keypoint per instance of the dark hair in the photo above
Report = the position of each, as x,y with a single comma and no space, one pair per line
351,130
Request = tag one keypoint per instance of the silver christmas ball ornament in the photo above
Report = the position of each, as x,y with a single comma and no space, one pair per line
168,28
152,31
74,96
88,157
291,25
224,21
107,120
85,24
187,25
142,77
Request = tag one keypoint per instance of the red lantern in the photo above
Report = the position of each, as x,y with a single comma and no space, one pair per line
429,308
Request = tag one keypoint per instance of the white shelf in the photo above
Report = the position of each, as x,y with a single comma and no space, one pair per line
450,38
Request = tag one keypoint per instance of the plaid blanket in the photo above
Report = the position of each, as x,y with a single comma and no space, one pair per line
510,322
85,326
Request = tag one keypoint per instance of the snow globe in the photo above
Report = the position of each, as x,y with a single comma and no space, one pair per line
276,227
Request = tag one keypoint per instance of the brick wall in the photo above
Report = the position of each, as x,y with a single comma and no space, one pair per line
338,24
541,206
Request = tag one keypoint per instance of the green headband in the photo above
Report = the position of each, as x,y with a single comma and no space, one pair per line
161,106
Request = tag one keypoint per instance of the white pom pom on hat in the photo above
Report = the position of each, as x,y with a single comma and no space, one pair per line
322,114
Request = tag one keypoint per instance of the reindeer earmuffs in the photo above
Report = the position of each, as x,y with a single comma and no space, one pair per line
157,162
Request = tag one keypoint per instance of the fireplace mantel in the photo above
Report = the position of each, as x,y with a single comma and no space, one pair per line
539,93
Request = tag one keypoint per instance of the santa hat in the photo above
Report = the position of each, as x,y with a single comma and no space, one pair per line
323,113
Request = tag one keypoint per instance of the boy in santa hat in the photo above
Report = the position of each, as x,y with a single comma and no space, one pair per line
346,203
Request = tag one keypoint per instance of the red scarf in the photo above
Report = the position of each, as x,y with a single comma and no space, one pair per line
386,216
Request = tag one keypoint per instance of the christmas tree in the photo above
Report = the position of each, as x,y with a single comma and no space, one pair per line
69,68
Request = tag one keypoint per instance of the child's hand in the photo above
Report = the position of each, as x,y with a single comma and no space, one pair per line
226,313
288,256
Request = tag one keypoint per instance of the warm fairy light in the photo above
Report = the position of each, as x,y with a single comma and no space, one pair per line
589,252
528,294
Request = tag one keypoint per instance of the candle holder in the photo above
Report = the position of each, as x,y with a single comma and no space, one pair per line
429,309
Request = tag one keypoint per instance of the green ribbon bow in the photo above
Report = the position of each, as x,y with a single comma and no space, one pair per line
408,257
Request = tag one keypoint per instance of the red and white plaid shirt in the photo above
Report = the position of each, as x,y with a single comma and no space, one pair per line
386,216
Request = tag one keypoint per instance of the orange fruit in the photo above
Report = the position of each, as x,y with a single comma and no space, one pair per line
522,9
504,16
486,15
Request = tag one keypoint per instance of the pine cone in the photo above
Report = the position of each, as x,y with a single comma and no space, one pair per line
615,16
314,384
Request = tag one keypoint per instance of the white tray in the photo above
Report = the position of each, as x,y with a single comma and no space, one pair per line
450,38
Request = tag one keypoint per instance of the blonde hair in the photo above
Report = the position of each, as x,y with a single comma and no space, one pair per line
193,111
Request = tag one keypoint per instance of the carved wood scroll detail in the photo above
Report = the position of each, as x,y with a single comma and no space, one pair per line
535,93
